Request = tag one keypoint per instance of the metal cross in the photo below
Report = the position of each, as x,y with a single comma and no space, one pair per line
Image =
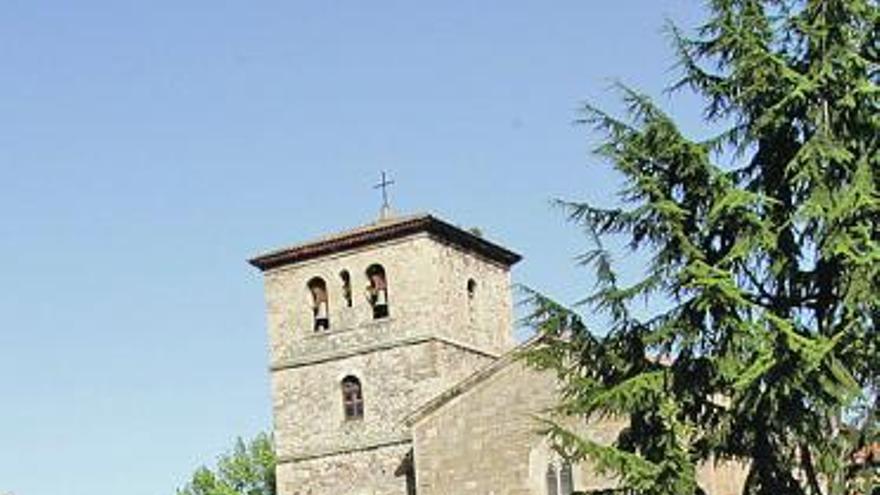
384,186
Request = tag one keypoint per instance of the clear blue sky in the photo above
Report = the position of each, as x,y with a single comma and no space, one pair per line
148,148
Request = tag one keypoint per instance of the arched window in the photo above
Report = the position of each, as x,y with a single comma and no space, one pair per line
346,286
471,288
566,487
559,482
352,398
377,291
552,483
320,304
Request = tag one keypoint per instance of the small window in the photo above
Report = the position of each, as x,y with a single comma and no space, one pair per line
559,482
320,303
566,487
377,291
346,287
352,398
471,288
552,483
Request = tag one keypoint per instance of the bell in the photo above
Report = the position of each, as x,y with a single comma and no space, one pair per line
321,311
381,298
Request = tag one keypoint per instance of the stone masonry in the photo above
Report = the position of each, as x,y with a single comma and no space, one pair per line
450,314
482,437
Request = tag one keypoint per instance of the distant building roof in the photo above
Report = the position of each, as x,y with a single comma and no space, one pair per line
869,455
384,230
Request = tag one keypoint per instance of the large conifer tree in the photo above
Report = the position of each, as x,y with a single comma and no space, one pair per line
764,251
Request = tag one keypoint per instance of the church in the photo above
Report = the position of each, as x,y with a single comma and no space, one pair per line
394,370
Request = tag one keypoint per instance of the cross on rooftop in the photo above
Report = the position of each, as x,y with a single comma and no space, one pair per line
383,184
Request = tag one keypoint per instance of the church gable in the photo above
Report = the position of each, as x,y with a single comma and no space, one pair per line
477,437
483,436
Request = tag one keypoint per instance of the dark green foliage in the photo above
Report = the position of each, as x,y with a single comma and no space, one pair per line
248,470
768,269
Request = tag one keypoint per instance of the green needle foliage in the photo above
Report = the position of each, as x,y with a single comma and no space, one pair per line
248,470
764,252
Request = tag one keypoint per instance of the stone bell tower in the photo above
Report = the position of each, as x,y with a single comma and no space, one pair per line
364,327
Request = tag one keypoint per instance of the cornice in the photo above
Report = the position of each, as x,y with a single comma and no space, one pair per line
324,357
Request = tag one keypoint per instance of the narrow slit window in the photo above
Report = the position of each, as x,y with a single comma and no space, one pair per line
471,289
352,398
346,287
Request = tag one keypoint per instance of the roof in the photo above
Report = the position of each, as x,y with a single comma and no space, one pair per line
869,455
471,381
385,230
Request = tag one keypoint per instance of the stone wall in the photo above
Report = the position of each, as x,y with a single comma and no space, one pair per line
289,305
483,318
378,471
427,295
436,334
479,442
307,400
486,441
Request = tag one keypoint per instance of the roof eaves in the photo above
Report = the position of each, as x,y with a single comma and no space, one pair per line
380,232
